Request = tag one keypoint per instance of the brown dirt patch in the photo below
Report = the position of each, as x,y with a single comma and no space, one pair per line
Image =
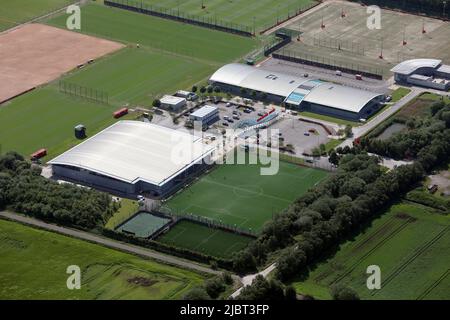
35,54
141,281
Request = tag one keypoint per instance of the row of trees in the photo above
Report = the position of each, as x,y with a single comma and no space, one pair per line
23,189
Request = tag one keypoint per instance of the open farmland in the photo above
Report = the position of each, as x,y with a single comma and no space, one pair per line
15,12
209,241
410,245
237,194
348,42
251,13
174,37
34,263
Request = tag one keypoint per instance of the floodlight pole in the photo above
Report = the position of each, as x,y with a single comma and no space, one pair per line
443,12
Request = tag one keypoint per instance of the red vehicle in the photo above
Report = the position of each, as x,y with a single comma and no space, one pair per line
120,113
38,154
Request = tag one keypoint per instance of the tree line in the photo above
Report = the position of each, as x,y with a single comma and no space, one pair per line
24,190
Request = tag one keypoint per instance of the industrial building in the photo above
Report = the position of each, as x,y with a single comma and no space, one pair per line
133,157
298,93
428,73
206,115
173,103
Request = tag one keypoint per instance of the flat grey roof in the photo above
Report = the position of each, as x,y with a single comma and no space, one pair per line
133,151
204,111
171,99
340,97
409,66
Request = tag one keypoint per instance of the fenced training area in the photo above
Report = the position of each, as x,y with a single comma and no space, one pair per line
337,35
238,195
82,92
209,241
253,16
143,225
167,13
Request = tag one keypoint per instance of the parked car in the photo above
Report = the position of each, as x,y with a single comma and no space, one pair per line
236,117
306,134
235,112
225,124
306,75
247,110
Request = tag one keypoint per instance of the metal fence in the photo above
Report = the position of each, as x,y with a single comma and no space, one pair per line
82,92
179,215
177,15
328,63
286,15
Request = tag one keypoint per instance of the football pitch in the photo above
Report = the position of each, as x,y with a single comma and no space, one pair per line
209,241
251,13
34,264
410,245
138,76
15,12
238,195
157,33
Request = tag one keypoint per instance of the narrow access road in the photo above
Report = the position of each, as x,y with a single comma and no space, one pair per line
247,280
113,244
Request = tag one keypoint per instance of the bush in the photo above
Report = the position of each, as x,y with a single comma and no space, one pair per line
214,287
197,293
340,292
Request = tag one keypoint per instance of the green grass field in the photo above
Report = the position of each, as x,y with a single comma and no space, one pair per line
238,195
258,13
195,237
184,39
45,118
15,12
34,263
138,76
410,245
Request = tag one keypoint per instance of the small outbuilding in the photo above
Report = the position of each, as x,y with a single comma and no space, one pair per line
173,103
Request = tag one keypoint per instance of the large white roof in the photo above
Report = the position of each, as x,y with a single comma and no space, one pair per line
258,79
131,151
340,97
314,91
409,66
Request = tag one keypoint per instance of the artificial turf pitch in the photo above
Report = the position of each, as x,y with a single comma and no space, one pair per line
209,241
238,195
